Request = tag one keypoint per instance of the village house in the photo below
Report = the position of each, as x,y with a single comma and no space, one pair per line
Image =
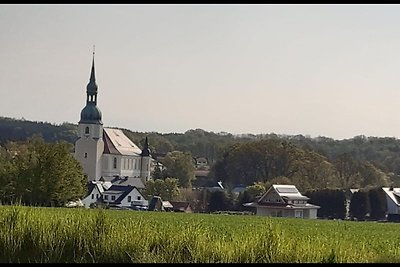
118,195
393,203
284,201
181,206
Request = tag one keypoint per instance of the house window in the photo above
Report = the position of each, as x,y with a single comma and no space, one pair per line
92,196
139,198
129,198
87,130
112,197
106,197
85,155
97,196
115,163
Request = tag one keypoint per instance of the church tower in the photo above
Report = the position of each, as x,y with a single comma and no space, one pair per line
90,146
145,170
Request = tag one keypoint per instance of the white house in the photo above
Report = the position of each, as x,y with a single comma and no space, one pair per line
393,203
114,195
284,201
107,152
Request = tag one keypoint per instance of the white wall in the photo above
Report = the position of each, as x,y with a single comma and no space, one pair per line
391,206
88,200
126,166
93,145
134,194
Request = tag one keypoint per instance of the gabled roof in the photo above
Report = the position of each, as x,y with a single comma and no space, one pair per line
286,192
393,194
137,182
94,184
109,147
116,142
180,205
153,203
118,189
281,206
167,204
124,194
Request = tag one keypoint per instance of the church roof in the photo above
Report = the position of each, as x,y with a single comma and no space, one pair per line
116,142
132,181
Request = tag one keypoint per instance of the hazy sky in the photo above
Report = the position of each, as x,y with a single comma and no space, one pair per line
318,70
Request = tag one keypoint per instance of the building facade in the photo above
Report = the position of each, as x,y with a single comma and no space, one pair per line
284,201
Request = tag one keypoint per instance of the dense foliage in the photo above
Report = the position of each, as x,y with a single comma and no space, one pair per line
332,203
309,163
166,188
39,173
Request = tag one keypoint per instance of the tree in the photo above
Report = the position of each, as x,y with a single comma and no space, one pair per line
42,174
158,172
314,172
219,201
257,161
250,194
371,175
360,205
180,165
332,202
348,170
377,200
166,189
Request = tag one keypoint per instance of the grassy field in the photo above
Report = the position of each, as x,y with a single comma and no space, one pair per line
53,235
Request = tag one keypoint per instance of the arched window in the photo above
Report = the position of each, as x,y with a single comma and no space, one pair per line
87,130
85,155
115,163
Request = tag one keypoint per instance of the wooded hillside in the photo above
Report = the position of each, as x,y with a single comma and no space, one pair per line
358,161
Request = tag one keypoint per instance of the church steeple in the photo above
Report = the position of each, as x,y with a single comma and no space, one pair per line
91,88
146,149
91,113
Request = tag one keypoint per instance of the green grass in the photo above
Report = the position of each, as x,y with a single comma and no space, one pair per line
53,235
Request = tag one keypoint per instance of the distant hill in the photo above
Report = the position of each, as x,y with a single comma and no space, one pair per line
384,152
20,130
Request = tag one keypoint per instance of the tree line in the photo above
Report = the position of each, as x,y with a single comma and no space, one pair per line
382,152
248,159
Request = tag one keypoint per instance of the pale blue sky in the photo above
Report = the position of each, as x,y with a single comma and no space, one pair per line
318,70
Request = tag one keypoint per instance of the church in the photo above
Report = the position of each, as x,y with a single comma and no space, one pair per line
107,154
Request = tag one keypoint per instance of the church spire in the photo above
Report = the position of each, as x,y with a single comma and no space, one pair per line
91,113
145,150
92,76
91,88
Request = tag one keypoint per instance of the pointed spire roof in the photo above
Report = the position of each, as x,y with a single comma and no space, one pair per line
145,150
91,113
92,86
